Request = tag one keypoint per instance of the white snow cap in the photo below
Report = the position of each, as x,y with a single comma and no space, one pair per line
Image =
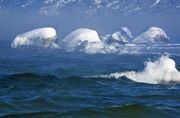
42,37
152,35
78,37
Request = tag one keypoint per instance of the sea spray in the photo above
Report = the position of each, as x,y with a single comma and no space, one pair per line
160,71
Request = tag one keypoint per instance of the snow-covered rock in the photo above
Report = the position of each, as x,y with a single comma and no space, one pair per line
42,37
121,36
78,38
85,40
152,35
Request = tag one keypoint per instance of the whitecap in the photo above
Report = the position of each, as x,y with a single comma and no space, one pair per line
157,72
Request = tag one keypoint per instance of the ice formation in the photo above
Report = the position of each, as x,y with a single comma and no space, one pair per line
121,36
42,37
78,38
85,40
152,35
100,47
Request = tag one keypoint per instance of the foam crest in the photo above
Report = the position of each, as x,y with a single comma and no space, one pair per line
160,71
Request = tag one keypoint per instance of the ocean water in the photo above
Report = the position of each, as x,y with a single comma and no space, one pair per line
45,83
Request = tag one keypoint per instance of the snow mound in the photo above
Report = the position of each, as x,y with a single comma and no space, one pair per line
152,35
121,36
157,72
79,37
42,37
85,40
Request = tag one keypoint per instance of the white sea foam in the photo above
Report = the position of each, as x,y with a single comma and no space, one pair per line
160,71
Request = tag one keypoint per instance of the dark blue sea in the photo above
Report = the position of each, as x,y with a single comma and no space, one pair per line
47,83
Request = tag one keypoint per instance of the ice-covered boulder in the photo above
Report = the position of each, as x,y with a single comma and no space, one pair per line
85,40
79,37
42,37
152,35
120,36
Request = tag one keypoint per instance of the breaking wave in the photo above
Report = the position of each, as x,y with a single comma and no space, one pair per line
160,71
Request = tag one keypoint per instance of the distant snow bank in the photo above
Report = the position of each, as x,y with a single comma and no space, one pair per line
42,37
89,41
